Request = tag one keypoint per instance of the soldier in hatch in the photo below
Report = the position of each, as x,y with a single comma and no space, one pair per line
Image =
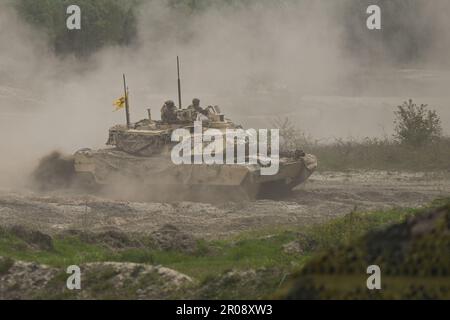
169,112
195,106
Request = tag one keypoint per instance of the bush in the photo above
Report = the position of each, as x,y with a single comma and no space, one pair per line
416,125
376,153
291,137
5,265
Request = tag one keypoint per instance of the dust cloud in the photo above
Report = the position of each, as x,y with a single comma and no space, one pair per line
257,61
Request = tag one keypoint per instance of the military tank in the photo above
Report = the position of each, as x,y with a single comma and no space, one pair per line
138,163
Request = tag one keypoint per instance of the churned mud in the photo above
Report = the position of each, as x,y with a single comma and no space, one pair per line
324,196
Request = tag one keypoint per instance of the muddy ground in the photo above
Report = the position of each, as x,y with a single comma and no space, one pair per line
324,196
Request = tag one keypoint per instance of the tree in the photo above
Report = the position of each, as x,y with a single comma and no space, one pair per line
103,22
416,125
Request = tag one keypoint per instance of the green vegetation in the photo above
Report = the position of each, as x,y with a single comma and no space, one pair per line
211,258
113,22
104,22
413,256
251,265
381,154
351,227
417,125
5,265
66,251
418,145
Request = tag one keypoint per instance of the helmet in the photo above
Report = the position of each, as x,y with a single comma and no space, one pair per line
169,103
196,101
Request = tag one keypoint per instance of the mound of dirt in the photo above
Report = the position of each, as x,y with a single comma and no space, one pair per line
112,239
235,284
293,247
414,259
105,280
169,237
100,280
33,238
300,245
21,280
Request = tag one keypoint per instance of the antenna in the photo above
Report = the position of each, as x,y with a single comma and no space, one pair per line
179,83
127,106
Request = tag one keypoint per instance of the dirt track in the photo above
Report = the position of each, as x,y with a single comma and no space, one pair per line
324,196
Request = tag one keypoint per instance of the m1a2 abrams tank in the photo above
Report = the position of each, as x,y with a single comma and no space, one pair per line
139,162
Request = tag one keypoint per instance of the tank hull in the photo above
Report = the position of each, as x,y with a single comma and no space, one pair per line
158,178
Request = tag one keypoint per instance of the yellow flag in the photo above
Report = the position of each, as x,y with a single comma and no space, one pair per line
119,103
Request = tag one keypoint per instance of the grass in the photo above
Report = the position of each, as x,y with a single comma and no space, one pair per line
381,154
229,254
219,255
66,252
5,265
352,226
368,153
260,251
257,249
413,266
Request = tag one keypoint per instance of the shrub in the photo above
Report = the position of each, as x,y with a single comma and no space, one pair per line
416,125
5,265
291,137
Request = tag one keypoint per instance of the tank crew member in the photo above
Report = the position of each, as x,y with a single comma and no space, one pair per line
195,106
169,112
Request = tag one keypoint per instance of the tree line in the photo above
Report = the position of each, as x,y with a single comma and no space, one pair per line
406,35
104,22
